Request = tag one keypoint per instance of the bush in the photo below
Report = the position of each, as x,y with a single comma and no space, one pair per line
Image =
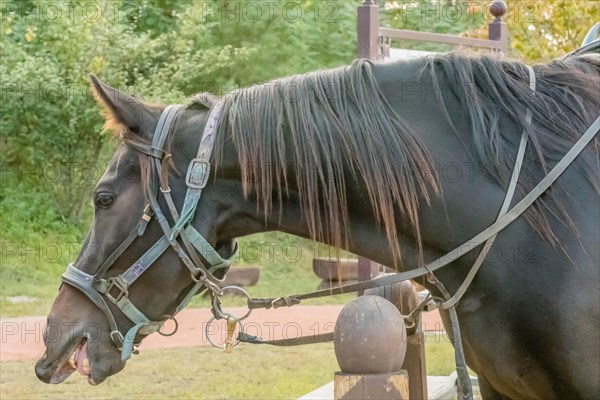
163,50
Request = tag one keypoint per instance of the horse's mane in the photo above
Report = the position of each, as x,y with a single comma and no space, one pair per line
318,124
566,101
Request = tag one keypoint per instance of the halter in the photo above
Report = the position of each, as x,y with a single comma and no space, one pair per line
98,288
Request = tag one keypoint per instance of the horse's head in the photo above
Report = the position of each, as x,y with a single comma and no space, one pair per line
100,314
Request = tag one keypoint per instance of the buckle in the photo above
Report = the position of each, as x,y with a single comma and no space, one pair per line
119,284
117,338
197,174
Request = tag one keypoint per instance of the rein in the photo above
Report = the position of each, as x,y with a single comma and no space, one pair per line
198,255
447,302
98,288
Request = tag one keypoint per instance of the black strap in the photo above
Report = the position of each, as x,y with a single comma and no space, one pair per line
297,341
146,149
137,231
292,300
458,252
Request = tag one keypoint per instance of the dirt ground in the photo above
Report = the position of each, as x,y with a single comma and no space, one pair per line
21,338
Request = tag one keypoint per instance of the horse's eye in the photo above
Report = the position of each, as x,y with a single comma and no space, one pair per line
104,200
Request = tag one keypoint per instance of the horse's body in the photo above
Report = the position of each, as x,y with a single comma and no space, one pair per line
531,319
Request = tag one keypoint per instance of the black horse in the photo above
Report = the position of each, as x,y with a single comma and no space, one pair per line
396,162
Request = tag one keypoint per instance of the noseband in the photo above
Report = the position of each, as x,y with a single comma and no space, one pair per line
97,287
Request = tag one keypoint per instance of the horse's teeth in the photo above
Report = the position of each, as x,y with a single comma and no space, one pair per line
72,361
86,366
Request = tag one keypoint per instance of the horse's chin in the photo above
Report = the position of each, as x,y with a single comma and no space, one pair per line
87,357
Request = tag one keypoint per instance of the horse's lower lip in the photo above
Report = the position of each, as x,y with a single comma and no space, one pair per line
66,367
63,371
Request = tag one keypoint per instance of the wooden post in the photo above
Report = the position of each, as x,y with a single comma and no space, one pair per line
368,30
404,296
367,269
497,30
370,344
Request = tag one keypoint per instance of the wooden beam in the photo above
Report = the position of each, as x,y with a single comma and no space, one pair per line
440,38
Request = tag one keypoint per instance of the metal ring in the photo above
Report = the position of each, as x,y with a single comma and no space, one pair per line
220,346
217,304
174,330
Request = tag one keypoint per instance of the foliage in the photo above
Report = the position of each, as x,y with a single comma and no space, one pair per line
541,31
161,49
445,17
49,121
538,30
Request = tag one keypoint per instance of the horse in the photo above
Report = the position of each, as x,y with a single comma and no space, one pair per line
397,162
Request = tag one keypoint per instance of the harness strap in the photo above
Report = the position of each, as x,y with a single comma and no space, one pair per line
459,251
115,288
137,231
199,169
510,192
297,341
146,149
75,277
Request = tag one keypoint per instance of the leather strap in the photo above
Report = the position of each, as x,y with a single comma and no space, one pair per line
510,193
459,251
116,288
146,149
199,169
297,341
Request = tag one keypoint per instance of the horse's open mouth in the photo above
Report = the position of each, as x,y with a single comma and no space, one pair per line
75,361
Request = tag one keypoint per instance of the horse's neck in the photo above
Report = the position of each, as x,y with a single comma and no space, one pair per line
468,204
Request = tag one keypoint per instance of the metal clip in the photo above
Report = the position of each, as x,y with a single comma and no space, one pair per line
209,331
231,324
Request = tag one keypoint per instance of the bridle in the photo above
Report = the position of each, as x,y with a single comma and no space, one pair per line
115,289
96,287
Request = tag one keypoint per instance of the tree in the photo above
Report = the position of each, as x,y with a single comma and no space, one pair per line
543,30
162,50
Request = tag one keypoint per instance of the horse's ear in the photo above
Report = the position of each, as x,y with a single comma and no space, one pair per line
125,115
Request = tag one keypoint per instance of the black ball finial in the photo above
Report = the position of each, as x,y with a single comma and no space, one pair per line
498,8
370,337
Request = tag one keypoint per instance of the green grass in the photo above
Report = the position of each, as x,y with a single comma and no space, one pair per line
31,265
250,372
